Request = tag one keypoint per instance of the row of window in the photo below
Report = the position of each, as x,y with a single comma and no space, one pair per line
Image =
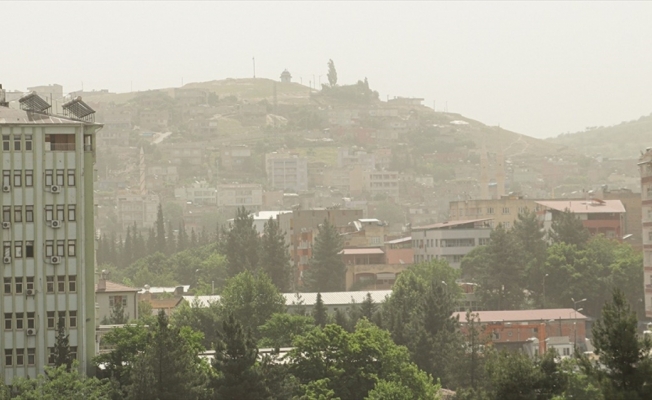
20,284
466,242
18,142
455,258
26,213
27,250
16,357
26,320
52,177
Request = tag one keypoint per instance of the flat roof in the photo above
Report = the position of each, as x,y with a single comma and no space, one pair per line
308,299
362,251
115,287
449,224
21,117
400,240
595,206
525,315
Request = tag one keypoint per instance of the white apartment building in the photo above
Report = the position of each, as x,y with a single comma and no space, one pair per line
197,194
249,196
645,165
450,241
47,233
287,172
383,183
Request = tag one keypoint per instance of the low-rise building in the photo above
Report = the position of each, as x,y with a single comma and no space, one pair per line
604,217
383,183
199,193
450,241
503,211
247,195
108,294
136,209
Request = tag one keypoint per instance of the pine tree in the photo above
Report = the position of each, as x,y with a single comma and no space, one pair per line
327,271
319,312
332,74
161,243
275,258
128,255
193,239
118,315
242,244
151,241
140,248
182,243
61,350
368,307
236,354
567,228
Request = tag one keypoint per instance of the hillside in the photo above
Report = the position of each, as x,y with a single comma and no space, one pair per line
624,140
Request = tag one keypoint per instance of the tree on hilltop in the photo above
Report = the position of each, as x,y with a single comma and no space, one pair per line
332,73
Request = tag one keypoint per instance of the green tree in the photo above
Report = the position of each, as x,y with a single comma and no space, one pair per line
60,383
567,228
326,271
625,356
512,376
281,329
200,318
499,271
332,74
61,352
236,353
169,368
319,313
391,390
531,245
161,242
275,258
252,298
242,244
368,307
117,315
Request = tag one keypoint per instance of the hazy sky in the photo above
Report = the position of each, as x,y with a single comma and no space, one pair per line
536,68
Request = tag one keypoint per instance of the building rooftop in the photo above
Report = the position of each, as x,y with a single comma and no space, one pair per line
13,116
400,240
158,289
450,224
594,206
361,251
525,315
115,287
309,299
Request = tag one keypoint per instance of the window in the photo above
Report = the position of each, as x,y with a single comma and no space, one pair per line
72,319
29,178
29,213
6,178
118,299
49,284
31,356
60,142
18,178
61,212
30,320
7,285
566,351
6,213
61,284
29,283
5,142
71,177
50,355
490,210
73,352
507,224
18,249
72,283
505,210
19,321
72,251
61,247
49,248
18,214
18,285
9,355
49,177
50,317
60,180
6,249
20,357
28,142
49,213
483,241
8,320
16,143
72,212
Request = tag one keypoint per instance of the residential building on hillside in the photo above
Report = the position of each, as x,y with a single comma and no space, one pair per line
153,119
247,195
383,183
262,217
287,172
600,217
645,165
136,209
632,228
348,157
108,294
48,233
502,211
234,157
450,241
198,193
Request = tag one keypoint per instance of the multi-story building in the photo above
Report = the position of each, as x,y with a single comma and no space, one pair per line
249,196
502,211
645,165
384,183
198,193
136,209
450,241
47,233
600,217
633,218
287,172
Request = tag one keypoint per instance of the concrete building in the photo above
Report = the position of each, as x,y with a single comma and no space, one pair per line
198,193
136,209
108,293
234,157
645,165
49,93
632,229
249,195
450,241
48,234
383,183
604,217
287,172
502,211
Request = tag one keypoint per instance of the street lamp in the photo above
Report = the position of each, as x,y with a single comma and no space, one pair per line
575,303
